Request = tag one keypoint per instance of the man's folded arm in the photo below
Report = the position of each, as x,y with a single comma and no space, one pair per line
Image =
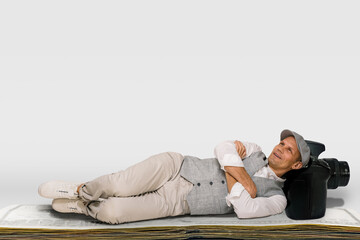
231,162
241,176
227,154
247,207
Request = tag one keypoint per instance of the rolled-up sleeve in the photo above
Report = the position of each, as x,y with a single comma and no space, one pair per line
227,155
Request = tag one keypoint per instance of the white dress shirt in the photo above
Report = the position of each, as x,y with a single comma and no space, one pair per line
245,206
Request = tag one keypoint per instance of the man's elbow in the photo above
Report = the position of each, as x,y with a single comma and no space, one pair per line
253,209
247,210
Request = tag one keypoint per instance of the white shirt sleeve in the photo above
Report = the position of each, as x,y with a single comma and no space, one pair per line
247,207
251,148
227,155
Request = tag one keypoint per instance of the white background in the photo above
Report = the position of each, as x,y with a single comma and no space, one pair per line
91,87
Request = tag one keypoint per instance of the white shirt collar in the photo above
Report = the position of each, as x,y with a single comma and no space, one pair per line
271,172
267,172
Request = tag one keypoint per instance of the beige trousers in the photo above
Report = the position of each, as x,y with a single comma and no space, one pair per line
150,189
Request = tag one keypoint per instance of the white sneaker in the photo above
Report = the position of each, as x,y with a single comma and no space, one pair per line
65,205
59,189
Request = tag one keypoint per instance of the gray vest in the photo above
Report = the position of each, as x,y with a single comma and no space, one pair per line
210,189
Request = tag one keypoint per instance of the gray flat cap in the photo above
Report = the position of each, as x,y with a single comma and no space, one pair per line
301,144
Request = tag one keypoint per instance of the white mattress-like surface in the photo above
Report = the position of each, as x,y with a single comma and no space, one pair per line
43,216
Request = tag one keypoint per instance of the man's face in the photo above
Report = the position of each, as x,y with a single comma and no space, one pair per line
285,156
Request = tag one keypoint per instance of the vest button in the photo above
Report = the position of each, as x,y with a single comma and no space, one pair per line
223,182
211,183
199,184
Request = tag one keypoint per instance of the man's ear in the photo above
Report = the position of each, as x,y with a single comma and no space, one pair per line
297,165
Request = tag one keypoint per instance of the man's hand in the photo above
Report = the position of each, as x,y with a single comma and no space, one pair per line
240,148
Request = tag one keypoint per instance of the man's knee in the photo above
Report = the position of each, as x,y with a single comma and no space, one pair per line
173,159
169,162
177,157
111,213
168,156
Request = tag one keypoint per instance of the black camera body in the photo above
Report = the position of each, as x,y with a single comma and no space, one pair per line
306,188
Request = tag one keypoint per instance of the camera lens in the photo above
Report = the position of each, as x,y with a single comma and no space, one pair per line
340,173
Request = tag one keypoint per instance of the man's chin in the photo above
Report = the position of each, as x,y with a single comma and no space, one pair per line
272,157
273,160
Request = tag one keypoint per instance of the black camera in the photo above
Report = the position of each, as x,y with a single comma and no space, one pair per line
306,188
